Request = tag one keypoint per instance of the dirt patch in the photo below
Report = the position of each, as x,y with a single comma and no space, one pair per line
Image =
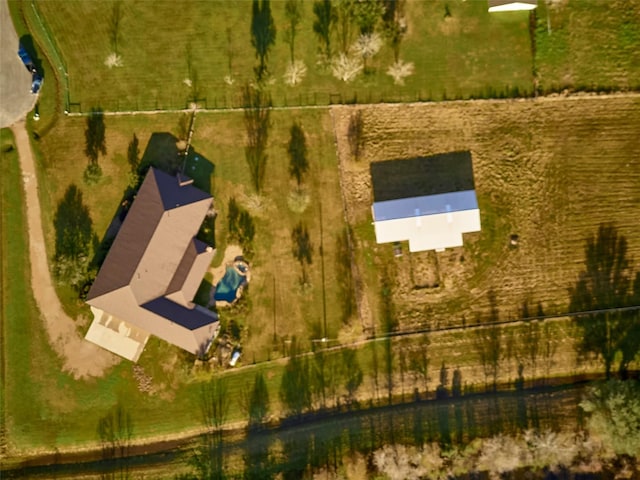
80,358
550,170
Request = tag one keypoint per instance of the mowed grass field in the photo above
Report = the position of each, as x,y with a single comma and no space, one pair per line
550,171
468,52
588,45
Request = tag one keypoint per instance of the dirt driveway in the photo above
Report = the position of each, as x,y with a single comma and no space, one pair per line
80,357
16,99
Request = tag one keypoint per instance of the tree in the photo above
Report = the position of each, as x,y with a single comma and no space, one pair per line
487,343
257,105
241,227
74,233
456,383
395,25
605,283
532,339
133,157
295,389
115,21
419,362
367,14
95,136
344,276
263,34
258,405
344,23
302,248
115,431
355,134
319,377
214,402
614,409
352,374
323,24
441,390
297,149
293,13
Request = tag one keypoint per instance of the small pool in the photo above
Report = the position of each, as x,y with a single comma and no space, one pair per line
227,288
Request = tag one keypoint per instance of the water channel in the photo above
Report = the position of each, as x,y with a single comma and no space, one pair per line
301,449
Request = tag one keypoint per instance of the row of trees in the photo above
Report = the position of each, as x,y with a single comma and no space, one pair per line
346,21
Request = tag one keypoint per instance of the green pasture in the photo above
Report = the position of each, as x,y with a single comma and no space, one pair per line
588,45
466,53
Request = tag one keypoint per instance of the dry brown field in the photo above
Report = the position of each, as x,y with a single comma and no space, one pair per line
549,170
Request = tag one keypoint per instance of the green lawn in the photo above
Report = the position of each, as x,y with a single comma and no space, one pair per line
588,45
469,53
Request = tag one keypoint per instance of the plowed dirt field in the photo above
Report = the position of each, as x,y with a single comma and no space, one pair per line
549,170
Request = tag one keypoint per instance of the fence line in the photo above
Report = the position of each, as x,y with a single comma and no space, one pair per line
54,50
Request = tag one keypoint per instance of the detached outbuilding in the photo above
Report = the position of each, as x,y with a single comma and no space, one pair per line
429,201
511,6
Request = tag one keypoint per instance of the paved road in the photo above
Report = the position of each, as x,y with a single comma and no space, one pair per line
80,357
16,99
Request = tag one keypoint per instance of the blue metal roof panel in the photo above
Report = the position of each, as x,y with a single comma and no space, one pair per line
426,205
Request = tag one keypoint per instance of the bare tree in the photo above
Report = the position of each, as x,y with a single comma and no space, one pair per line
302,249
263,34
115,22
293,13
214,403
323,24
257,109
297,150
419,362
115,431
355,135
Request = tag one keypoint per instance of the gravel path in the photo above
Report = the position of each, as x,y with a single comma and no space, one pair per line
81,358
16,99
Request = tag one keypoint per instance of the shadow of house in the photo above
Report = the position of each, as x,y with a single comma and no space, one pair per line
429,201
163,154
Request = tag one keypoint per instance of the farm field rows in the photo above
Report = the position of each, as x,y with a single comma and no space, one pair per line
550,171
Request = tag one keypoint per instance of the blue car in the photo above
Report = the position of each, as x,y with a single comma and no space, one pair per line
36,77
36,82
26,59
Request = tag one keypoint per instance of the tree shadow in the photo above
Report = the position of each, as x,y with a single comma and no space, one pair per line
161,152
26,41
606,283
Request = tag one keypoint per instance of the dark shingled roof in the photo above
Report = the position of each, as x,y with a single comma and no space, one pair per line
188,318
422,176
154,255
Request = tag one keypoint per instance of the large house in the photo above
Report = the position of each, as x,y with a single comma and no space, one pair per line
429,201
150,276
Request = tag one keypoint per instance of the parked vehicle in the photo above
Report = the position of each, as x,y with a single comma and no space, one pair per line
26,59
36,77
